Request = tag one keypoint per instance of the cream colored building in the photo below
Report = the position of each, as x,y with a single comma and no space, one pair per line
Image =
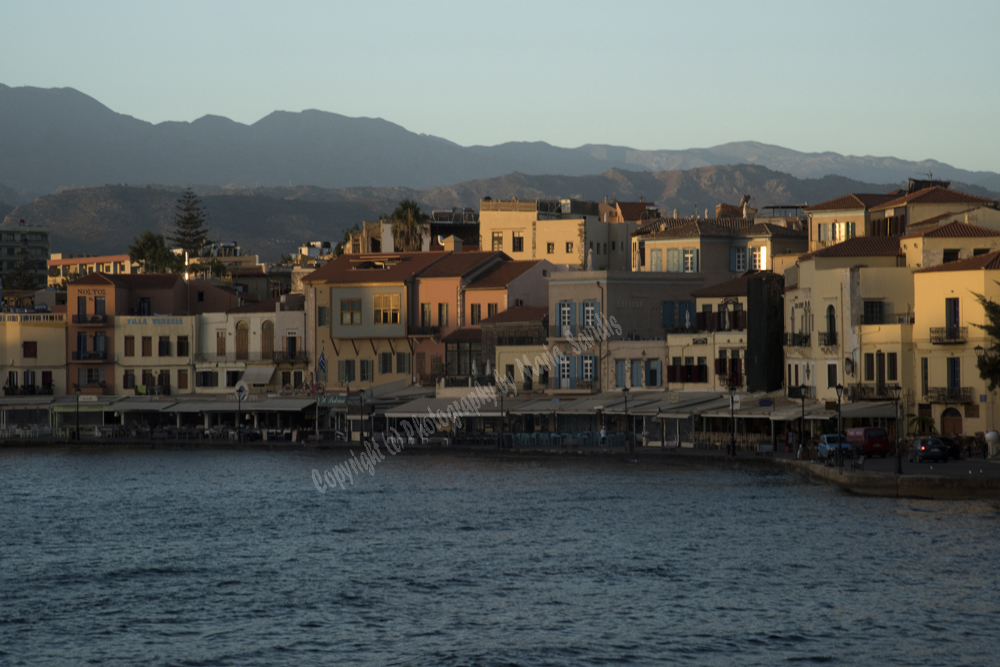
154,354
33,353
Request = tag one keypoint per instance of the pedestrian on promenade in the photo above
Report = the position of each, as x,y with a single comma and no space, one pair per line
604,438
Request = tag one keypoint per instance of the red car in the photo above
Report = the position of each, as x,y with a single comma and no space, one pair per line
869,440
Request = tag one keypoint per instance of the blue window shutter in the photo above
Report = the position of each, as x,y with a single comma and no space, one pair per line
683,314
668,314
593,364
658,367
732,259
619,372
574,364
597,312
572,318
697,261
648,366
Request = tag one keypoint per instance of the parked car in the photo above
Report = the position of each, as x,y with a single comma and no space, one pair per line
828,444
923,449
869,440
954,449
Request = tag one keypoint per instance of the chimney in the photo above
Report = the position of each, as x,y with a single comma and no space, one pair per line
675,214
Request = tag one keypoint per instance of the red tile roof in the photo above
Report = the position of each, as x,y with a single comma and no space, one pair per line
852,202
987,262
635,210
389,268
131,280
929,223
267,306
735,287
520,314
463,334
953,230
457,264
933,195
500,275
859,246
724,227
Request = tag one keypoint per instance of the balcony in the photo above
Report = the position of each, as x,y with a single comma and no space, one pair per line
949,395
870,391
520,340
93,355
797,340
688,373
827,338
949,335
152,390
297,357
886,318
798,393
29,390
94,320
424,331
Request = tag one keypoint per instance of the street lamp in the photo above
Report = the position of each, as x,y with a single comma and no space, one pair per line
77,436
732,417
896,389
803,389
502,391
840,427
241,393
629,437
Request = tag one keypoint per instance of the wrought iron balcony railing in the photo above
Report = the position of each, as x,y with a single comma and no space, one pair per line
949,335
949,395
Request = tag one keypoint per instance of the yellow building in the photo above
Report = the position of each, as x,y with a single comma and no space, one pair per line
154,355
33,353
842,218
64,268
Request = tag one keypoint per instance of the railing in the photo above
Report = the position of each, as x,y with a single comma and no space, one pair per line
827,338
949,335
797,340
90,319
731,380
798,392
424,331
230,357
468,381
297,357
886,318
90,356
520,340
949,395
870,391
29,390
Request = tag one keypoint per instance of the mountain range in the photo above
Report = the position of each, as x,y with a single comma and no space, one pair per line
60,138
273,221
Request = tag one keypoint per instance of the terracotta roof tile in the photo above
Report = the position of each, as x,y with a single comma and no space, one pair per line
953,230
520,314
387,268
500,275
986,262
131,280
859,246
735,287
933,195
465,333
852,201
457,264
635,210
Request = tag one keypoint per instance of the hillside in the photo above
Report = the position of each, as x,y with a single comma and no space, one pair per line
274,221
60,138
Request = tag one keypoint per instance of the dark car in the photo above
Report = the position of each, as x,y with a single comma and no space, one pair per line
924,449
954,449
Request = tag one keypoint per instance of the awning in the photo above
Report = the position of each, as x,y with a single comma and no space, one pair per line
26,403
420,406
686,410
258,376
277,404
202,406
868,410
87,404
142,404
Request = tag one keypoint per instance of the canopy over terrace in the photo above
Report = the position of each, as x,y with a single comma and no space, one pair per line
274,411
26,411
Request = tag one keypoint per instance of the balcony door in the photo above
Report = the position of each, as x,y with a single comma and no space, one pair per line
954,375
951,319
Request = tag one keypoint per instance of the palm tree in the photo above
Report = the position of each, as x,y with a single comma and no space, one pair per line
407,226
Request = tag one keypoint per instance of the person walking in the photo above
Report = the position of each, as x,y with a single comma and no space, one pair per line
604,438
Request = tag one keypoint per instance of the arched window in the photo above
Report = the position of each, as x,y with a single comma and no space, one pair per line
242,340
267,340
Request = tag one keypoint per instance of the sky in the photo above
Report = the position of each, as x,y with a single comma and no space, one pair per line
913,80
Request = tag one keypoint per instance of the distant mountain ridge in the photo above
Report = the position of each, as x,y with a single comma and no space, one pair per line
61,138
274,221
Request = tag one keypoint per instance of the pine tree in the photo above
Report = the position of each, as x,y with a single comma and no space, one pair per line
989,363
190,233
152,251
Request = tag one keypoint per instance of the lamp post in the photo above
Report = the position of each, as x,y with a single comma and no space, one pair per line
896,389
803,389
732,417
502,391
361,393
840,427
629,442
241,393
77,435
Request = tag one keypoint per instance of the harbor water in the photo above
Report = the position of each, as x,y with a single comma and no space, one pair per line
200,558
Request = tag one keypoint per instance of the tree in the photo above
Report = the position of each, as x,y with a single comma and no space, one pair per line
342,246
988,363
190,233
151,250
407,226
22,276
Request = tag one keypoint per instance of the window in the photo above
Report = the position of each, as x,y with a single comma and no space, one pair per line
182,379
491,309
385,363
323,316
564,371
145,307
949,255
892,367
206,379
29,378
128,380
822,232
636,379
690,260
425,315
11,378
569,246
99,306
367,370
588,368
345,370
29,349
476,313
873,312
46,378
350,311
442,314
201,297
163,348
656,260
565,318
402,362
183,347
147,345
954,369
386,309
286,378
518,242
233,378
220,343
831,375
589,313
869,367
550,248
924,376
980,251
758,258
497,241
739,260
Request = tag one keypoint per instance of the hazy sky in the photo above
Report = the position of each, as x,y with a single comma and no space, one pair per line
910,79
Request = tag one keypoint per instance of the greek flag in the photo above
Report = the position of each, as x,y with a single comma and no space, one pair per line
322,361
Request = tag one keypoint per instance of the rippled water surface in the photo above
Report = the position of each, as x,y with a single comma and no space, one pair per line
234,558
